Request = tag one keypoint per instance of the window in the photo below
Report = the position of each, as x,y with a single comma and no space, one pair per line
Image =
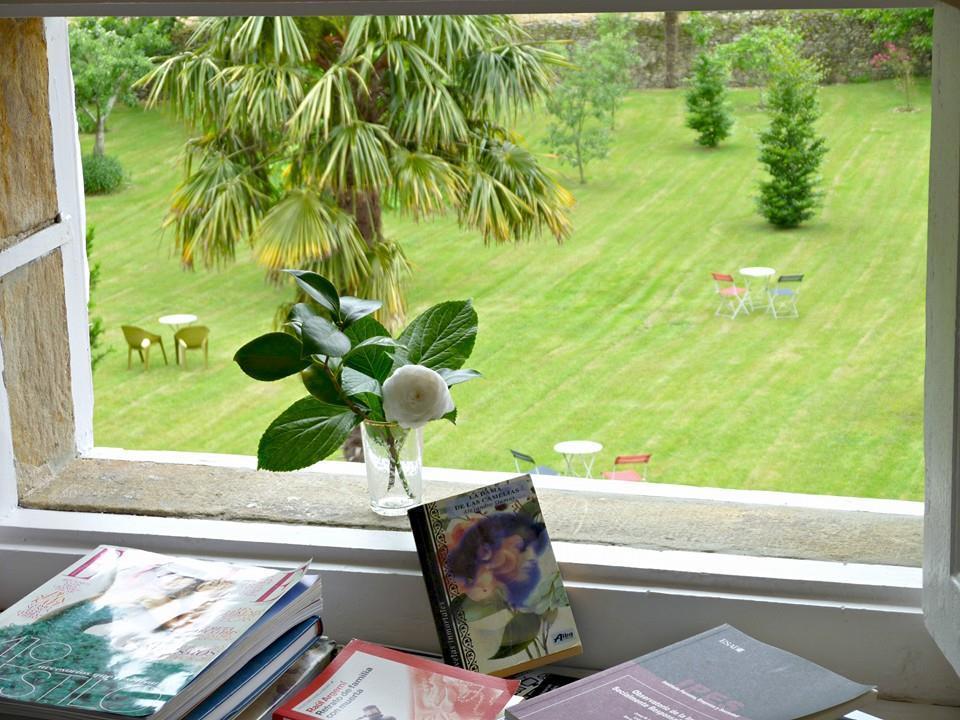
862,620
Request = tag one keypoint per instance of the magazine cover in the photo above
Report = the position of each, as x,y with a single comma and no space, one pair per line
123,631
370,682
496,592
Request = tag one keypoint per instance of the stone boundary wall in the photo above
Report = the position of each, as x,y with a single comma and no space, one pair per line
840,41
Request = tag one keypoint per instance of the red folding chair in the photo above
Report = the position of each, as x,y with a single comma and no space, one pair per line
642,460
733,299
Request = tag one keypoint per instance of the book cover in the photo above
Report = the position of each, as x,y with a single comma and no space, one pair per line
494,586
123,631
722,674
371,682
294,679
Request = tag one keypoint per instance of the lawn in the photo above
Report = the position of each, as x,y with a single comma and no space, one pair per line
610,336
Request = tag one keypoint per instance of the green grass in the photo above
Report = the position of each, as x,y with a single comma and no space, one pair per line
610,336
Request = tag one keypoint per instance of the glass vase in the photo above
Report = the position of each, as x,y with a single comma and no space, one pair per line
394,460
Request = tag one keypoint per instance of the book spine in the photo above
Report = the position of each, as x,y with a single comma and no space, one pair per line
436,588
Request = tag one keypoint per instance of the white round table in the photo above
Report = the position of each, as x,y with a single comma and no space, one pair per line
585,450
757,279
177,321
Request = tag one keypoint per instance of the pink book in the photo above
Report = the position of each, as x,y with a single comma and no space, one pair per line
371,682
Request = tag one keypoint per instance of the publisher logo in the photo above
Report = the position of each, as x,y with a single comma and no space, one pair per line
562,637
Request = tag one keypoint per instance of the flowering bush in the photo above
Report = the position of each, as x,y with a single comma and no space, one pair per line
356,372
900,60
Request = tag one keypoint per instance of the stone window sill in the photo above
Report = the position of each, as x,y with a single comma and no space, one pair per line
334,494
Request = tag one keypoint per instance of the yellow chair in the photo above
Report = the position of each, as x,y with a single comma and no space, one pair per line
193,337
140,340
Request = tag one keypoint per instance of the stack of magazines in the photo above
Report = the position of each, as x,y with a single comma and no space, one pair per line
124,632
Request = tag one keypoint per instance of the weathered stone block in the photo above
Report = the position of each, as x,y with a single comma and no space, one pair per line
28,193
36,368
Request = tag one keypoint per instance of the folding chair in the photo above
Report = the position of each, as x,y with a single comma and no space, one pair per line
782,300
642,460
733,299
534,469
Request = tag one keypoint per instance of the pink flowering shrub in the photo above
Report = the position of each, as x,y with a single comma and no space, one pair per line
900,60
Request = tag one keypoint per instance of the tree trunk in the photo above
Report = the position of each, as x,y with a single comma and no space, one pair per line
671,42
101,137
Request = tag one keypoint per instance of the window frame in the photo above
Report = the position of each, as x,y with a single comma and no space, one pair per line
841,601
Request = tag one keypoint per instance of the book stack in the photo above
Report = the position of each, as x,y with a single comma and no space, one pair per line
126,633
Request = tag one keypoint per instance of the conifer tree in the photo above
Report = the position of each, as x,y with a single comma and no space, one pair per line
708,109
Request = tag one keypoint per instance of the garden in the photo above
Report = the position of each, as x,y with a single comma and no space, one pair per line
609,335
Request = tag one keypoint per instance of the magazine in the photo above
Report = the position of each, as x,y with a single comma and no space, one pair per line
124,632
720,674
494,586
371,682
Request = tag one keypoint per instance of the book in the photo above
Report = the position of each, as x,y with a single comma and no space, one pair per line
721,674
371,682
128,633
494,586
294,679
253,679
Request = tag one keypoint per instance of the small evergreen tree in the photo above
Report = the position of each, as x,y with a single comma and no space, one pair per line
708,109
790,148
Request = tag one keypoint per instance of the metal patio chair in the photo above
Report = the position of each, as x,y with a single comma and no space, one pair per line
782,300
642,461
141,340
733,299
534,469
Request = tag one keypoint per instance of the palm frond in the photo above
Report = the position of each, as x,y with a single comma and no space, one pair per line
192,84
217,206
354,157
308,230
389,273
262,97
258,39
424,184
330,102
428,117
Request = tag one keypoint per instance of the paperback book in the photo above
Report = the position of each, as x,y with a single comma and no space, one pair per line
722,674
371,682
496,592
124,632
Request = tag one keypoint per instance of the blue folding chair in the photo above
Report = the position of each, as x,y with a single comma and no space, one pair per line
782,299
534,469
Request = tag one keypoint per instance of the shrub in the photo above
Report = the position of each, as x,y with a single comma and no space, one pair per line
790,148
101,174
708,111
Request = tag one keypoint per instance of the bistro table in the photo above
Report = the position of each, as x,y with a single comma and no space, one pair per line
757,279
177,321
585,450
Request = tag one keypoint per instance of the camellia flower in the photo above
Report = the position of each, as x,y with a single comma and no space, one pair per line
414,395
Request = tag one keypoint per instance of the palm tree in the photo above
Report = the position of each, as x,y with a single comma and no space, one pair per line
308,127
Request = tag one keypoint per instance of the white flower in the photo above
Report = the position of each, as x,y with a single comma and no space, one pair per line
414,395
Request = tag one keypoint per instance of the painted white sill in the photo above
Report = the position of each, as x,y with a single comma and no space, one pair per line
645,516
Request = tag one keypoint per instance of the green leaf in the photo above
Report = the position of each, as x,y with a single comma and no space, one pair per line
387,342
300,313
451,416
455,377
473,610
318,383
303,434
355,382
373,403
442,337
517,635
321,337
270,357
373,360
352,309
318,288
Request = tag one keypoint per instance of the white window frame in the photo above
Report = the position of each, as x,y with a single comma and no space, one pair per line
860,619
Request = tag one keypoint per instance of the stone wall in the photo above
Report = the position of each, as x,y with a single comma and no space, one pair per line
33,314
840,41
28,195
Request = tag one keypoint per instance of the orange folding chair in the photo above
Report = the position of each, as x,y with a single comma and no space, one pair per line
733,299
641,461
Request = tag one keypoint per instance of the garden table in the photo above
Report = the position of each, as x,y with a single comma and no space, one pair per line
178,320
585,450
757,279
